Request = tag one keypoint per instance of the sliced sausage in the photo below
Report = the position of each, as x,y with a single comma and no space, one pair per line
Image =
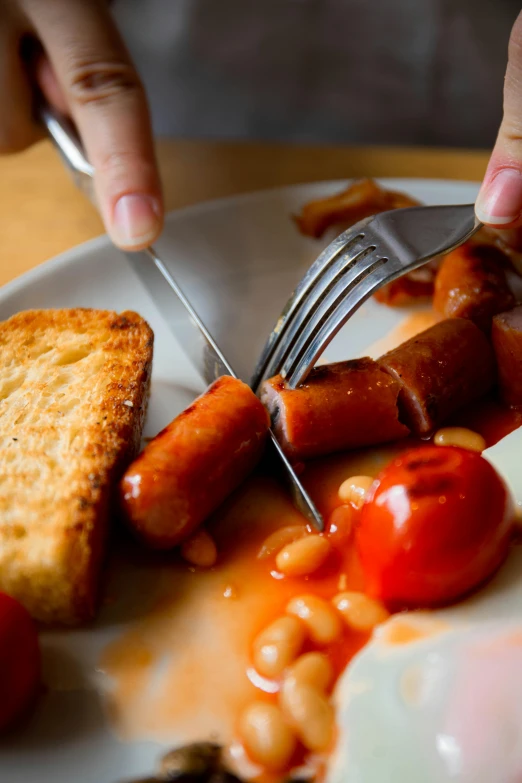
471,283
506,334
440,370
189,469
340,406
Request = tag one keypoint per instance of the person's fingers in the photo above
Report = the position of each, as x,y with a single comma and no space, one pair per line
17,127
49,85
500,199
108,103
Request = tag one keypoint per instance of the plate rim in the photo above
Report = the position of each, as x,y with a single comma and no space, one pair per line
76,254
73,255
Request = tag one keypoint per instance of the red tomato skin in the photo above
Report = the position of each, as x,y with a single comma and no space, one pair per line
437,523
19,661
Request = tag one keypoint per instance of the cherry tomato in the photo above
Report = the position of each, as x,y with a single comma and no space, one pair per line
19,661
436,524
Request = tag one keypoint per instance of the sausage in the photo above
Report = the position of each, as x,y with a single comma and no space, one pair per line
358,201
409,289
340,406
471,283
508,240
449,365
506,334
189,469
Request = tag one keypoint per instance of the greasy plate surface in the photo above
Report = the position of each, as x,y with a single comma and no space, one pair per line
237,260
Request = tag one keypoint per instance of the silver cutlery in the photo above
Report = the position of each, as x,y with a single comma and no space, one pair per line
179,314
371,254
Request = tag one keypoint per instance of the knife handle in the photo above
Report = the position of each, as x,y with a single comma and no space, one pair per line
65,138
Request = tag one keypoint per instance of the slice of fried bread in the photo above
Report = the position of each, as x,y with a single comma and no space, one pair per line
74,387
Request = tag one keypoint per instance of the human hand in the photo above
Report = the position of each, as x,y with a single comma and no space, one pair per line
85,71
499,202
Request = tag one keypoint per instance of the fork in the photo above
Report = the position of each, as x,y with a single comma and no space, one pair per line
370,254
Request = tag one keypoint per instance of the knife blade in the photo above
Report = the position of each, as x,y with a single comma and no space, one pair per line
180,316
205,354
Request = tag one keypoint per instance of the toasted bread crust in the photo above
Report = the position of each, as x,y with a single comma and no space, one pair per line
74,388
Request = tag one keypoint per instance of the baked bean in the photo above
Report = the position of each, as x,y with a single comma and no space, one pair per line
199,550
266,735
313,668
360,612
278,646
461,437
280,538
304,556
340,526
310,714
342,582
355,489
321,619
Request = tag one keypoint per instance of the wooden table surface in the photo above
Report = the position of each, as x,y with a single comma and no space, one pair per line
42,214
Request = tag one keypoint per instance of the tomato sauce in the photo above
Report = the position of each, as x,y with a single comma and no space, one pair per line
183,670
488,417
412,325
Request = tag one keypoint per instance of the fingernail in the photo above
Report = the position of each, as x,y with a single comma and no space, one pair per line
500,201
136,220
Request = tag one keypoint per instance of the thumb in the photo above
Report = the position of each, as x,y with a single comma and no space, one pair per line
500,199
106,99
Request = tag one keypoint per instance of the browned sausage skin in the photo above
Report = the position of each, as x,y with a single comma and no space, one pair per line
359,200
506,334
189,469
471,283
440,370
406,290
339,407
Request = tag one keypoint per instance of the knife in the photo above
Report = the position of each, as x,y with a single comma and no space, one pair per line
180,316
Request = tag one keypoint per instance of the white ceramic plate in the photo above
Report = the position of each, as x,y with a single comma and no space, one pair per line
237,260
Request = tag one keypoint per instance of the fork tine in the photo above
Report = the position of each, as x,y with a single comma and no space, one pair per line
269,359
349,269
402,239
316,338
342,285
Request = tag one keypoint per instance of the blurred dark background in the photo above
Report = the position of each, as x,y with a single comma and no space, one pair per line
419,72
